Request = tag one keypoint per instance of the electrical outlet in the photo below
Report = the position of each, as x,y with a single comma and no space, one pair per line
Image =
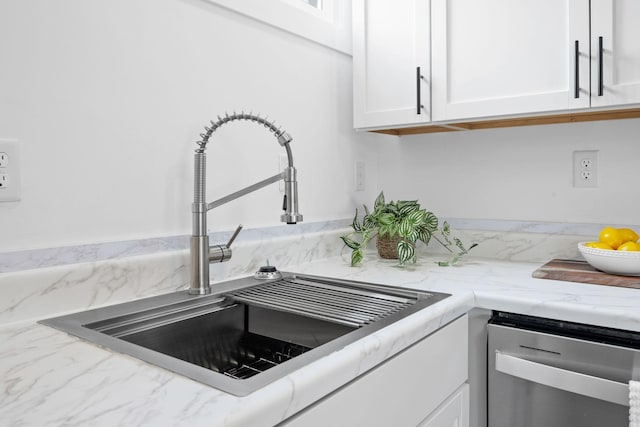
360,175
585,169
4,159
9,170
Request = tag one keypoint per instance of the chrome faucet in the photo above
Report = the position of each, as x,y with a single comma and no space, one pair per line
201,253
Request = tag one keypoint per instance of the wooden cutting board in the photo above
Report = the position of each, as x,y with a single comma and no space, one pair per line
581,271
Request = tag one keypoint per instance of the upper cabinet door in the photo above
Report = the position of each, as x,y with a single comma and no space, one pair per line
503,57
390,44
615,52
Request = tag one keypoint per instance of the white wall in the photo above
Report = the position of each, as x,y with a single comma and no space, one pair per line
522,173
107,99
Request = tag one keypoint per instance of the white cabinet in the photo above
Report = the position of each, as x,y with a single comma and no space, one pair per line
503,57
616,66
454,412
427,378
492,58
390,43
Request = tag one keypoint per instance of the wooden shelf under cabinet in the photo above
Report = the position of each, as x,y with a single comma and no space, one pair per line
513,122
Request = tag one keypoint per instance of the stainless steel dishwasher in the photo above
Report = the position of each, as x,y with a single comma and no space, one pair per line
551,373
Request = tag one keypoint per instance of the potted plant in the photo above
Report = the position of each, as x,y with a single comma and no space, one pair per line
398,226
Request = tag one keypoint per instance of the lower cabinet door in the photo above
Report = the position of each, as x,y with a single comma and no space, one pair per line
454,412
403,390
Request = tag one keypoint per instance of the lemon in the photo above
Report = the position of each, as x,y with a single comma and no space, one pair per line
611,236
598,245
628,235
629,246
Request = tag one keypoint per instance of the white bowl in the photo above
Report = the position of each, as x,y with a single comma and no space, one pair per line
625,263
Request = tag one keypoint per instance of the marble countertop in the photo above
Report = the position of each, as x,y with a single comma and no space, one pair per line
50,378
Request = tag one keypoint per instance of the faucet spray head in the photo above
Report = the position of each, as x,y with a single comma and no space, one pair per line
290,202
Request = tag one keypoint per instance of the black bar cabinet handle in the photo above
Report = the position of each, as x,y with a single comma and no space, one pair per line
576,85
600,67
419,103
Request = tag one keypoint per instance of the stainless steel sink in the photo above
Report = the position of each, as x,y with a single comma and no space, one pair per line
252,331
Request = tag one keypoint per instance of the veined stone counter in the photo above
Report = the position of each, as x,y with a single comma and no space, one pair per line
50,378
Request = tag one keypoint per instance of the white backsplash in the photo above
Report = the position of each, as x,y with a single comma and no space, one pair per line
43,283
44,292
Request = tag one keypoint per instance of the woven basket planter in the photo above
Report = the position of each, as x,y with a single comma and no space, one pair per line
388,246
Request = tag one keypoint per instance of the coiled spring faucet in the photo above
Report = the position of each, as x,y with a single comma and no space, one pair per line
201,253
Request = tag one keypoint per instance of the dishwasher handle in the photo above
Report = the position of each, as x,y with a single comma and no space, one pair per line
575,382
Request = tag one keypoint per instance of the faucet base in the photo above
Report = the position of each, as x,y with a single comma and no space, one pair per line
204,291
199,274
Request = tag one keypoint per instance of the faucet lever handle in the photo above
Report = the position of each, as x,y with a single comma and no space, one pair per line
235,234
220,253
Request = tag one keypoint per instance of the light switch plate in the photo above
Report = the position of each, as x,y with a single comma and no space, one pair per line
360,178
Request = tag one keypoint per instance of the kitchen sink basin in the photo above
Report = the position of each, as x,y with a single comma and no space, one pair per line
249,333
